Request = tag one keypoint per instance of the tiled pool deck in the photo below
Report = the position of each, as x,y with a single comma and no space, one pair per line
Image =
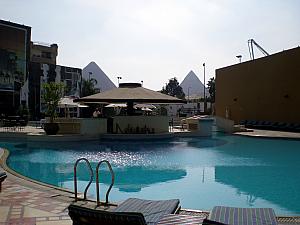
25,202
24,205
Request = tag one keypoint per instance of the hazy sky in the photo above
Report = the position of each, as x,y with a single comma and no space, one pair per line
154,40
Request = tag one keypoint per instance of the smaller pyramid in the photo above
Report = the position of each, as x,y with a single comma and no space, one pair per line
192,86
103,81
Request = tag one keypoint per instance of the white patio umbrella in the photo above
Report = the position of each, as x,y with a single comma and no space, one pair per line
137,106
149,106
146,109
82,106
67,102
123,105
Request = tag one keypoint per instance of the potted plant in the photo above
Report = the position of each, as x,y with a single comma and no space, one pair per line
51,95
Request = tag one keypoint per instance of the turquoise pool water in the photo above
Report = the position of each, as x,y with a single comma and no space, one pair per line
202,173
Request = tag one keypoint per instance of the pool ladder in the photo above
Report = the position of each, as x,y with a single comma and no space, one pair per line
92,178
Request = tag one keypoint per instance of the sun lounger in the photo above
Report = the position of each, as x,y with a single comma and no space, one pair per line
258,124
86,216
242,216
250,123
296,127
277,125
179,219
281,126
243,122
132,211
211,222
267,125
2,178
151,210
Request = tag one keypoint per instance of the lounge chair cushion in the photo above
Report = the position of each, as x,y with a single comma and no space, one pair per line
81,215
241,216
211,222
180,219
152,210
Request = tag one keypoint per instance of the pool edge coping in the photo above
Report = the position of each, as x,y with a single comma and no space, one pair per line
31,183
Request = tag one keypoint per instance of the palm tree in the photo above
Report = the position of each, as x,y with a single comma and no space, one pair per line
173,89
88,87
212,89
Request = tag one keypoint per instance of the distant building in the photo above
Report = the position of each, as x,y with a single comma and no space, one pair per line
25,66
44,73
265,89
43,53
71,77
14,64
43,69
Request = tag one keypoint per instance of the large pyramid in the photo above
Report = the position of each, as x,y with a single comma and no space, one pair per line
192,86
103,82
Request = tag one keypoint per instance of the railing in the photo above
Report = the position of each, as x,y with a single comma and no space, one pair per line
97,181
75,177
91,180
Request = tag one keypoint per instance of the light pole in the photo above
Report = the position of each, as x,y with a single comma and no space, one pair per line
80,85
119,78
239,57
189,94
204,88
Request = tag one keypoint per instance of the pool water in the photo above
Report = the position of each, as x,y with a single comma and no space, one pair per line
201,172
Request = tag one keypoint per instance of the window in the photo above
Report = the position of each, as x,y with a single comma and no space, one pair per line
46,55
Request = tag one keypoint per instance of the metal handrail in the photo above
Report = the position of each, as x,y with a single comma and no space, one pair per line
75,177
97,181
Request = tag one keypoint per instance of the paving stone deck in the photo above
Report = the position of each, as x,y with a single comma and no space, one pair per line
24,205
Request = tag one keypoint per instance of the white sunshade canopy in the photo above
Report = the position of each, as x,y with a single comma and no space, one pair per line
136,106
143,106
67,102
121,105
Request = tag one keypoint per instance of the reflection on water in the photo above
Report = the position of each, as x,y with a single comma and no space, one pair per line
278,186
128,179
133,179
202,172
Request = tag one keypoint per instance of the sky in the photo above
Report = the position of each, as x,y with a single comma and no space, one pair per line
155,40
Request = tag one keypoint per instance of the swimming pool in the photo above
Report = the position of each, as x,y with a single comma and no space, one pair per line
201,172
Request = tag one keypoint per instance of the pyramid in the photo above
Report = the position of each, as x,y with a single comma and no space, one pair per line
192,86
103,82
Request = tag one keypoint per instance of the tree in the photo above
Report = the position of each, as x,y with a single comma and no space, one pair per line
51,95
88,87
212,89
173,89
